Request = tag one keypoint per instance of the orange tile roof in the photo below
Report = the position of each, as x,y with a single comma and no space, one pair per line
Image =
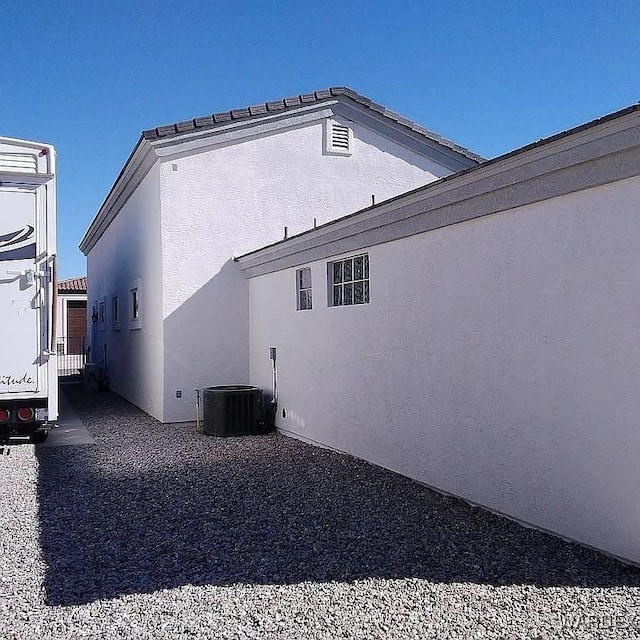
73,285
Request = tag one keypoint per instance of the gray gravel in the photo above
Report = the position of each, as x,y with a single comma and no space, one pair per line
158,531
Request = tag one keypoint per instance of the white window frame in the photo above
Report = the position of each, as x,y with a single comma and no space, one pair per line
346,281
301,298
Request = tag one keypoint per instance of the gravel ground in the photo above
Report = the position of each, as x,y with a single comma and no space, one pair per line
160,532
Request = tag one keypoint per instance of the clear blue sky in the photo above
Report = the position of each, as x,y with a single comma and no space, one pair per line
89,76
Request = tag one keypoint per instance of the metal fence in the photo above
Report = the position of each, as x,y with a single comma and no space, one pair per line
72,355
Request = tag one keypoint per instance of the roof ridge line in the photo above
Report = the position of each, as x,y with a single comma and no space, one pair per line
203,123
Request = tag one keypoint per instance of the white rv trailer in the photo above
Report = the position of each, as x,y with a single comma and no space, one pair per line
28,367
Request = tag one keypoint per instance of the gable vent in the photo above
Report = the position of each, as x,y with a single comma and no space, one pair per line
18,162
340,137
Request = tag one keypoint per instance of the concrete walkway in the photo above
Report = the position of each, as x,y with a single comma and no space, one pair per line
70,429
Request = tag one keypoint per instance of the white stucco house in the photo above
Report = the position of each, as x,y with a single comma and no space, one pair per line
173,305
498,355
477,332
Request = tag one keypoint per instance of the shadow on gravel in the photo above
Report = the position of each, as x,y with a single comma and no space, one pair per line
156,506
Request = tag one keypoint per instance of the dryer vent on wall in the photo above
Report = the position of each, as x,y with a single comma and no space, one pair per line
232,410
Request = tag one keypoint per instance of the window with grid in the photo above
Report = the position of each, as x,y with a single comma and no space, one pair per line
349,281
303,289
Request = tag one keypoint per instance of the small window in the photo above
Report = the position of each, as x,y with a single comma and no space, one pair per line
135,305
134,302
303,288
348,281
102,314
115,313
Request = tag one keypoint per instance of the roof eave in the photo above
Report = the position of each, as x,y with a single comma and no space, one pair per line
278,107
623,120
135,168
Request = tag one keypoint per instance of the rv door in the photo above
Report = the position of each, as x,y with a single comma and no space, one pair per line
21,291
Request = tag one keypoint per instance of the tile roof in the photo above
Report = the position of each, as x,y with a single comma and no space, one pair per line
269,108
73,285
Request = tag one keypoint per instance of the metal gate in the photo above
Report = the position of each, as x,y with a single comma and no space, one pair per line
72,355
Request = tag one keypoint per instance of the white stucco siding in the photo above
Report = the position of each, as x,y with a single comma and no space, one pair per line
127,255
498,360
236,198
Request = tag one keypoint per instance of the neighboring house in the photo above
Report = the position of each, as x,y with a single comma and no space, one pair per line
71,324
172,305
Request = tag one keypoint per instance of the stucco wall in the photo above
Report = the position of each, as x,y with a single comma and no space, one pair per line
497,360
129,254
236,198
